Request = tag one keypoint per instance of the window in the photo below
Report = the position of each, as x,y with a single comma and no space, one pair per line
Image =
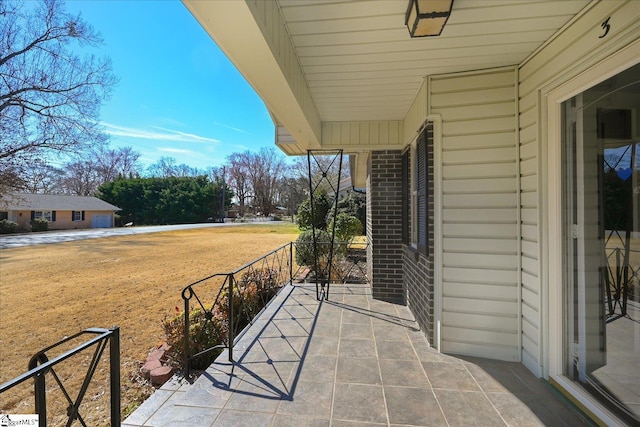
414,194
43,215
601,251
77,215
4,215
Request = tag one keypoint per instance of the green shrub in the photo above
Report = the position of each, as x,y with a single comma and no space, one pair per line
347,227
204,333
354,203
7,227
322,205
39,224
304,246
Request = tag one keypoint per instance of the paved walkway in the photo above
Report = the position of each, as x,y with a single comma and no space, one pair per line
351,361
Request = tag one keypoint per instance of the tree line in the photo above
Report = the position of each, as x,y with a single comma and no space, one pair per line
172,200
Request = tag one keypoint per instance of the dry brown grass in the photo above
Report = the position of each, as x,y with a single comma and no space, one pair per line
50,291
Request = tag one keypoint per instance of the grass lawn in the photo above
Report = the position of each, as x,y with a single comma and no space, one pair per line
48,292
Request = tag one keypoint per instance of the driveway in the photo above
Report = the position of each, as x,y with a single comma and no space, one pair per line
28,239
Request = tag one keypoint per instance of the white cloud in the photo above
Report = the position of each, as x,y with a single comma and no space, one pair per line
164,135
175,150
230,127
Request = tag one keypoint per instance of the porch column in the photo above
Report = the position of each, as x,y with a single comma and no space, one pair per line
384,224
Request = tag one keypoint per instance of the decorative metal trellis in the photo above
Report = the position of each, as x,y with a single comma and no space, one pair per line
322,176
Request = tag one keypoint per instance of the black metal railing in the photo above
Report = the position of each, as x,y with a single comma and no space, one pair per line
240,296
40,366
216,323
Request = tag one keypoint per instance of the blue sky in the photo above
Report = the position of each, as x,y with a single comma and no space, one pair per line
178,95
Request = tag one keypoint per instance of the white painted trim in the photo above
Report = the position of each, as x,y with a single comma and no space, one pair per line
552,100
585,399
544,212
436,119
516,76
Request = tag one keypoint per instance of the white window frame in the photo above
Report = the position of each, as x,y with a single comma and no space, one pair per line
47,215
553,298
77,216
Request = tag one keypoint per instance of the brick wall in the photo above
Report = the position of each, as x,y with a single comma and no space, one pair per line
418,289
384,224
418,270
396,270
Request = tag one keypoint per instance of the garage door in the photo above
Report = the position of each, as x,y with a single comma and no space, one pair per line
101,221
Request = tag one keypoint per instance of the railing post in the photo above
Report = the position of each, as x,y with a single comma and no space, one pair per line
231,331
187,346
114,360
291,263
41,398
39,384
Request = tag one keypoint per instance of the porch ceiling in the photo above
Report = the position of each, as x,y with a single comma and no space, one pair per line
354,61
361,65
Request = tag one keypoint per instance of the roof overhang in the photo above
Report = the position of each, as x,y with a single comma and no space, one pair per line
269,63
344,74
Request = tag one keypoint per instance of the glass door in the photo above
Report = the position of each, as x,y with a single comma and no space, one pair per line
601,249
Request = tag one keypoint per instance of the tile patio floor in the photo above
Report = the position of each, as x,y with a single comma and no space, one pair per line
351,361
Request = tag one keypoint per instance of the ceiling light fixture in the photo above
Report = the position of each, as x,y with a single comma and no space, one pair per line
427,18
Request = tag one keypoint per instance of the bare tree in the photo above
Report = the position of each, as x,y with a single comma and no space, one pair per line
238,179
168,167
81,178
89,170
265,169
49,95
184,170
291,192
163,168
111,163
43,178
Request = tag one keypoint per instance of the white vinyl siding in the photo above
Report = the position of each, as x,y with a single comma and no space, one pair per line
381,135
573,51
480,264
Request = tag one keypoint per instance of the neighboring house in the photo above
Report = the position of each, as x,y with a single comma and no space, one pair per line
487,154
62,212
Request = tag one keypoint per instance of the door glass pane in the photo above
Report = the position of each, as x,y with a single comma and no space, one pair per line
601,204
